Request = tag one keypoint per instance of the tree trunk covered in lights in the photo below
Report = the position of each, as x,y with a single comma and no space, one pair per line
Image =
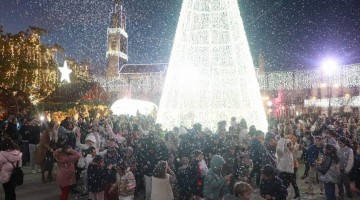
211,76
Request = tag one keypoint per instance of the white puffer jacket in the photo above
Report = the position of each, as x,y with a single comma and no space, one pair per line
6,168
285,159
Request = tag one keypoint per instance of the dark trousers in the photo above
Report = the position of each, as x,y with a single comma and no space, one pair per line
256,172
344,181
185,194
25,152
294,183
307,165
330,191
289,178
9,189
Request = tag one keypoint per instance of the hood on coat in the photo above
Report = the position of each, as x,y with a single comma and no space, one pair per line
12,156
62,132
216,163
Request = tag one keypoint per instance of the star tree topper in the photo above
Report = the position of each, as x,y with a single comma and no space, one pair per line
65,73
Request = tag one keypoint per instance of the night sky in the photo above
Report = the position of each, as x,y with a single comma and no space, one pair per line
291,33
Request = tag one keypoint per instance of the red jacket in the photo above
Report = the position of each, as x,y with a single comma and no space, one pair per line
65,173
6,168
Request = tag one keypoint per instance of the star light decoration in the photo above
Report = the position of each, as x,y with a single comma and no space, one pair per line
65,73
211,76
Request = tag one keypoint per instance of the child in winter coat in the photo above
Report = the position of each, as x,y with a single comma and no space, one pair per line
65,173
125,183
271,186
96,178
242,191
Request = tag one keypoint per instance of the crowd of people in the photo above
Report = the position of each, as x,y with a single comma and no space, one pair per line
123,157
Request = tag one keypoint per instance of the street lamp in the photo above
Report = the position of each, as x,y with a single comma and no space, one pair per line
329,67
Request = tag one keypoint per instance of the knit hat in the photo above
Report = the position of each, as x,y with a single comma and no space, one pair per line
91,138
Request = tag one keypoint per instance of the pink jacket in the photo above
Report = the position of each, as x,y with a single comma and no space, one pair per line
65,173
6,168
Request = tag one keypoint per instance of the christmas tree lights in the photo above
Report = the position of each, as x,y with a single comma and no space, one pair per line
211,76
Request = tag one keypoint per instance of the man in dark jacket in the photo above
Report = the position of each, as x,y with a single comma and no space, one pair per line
271,186
24,133
12,131
34,139
259,155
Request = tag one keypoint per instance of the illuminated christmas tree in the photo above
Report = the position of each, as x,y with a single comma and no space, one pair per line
211,76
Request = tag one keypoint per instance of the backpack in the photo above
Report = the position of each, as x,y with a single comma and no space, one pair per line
17,175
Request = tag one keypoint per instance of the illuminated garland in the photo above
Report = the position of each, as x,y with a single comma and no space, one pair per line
334,102
345,76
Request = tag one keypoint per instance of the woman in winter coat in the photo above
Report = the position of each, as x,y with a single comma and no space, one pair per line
9,156
330,171
125,183
96,178
44,152
160,182
65,174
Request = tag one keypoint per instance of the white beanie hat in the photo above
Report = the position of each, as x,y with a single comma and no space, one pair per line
91,138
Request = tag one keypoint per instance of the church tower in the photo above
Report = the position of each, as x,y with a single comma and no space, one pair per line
117,40
261,62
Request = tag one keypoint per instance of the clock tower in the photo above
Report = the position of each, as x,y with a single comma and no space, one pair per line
117,40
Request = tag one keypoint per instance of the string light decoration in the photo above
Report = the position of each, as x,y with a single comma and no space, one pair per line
345,76
211,76
28,65
334,102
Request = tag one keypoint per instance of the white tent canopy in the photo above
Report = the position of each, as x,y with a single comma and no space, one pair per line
132,106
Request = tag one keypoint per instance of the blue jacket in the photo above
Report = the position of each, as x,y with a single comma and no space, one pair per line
313,153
